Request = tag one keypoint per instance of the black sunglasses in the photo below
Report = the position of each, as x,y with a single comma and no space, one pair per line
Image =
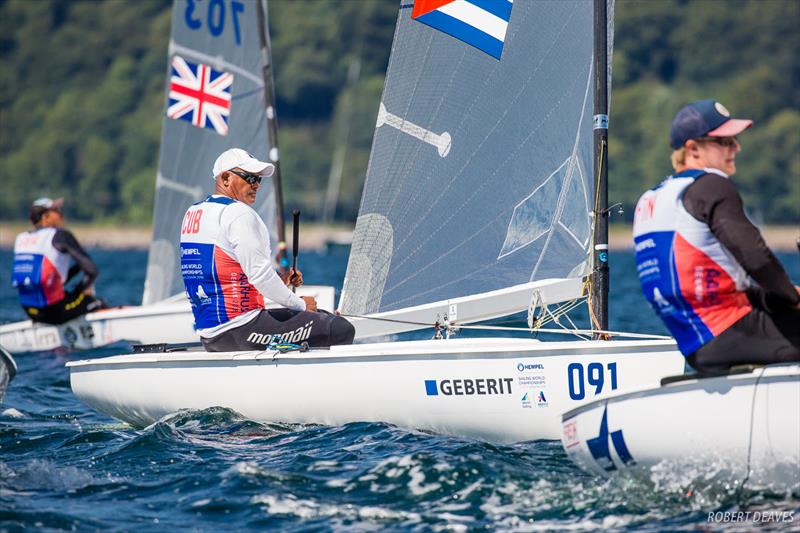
252,179
727,142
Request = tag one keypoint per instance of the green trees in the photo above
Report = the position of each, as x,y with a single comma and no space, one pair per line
743,53
80,105
82,88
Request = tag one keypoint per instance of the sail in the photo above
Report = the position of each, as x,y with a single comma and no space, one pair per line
480,176
214,100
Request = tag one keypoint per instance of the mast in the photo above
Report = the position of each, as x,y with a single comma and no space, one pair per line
272,127
600,278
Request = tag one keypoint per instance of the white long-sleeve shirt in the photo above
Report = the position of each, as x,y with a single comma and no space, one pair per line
240,233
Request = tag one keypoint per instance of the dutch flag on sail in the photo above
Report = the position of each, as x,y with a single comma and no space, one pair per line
480,23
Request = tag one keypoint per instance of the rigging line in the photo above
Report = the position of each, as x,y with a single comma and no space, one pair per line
750,439
383,319
590,282
562,331
563,327
558,311
561,311
565,331
555,316
572,323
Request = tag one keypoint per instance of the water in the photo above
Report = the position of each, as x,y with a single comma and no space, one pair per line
66,467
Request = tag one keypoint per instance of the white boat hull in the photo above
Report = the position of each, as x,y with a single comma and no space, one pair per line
8,369
495,389
741,427
170,322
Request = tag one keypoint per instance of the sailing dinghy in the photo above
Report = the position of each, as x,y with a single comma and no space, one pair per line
8,369
479,203
743,427
219,95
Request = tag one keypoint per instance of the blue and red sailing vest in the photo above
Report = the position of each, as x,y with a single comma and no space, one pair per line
692,281
40,270
215,283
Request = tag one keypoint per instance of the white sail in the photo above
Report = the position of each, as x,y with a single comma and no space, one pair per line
480,176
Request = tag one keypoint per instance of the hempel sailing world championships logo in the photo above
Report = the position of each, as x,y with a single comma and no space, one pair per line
479,23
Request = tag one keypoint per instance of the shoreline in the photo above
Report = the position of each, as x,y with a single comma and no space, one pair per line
314,236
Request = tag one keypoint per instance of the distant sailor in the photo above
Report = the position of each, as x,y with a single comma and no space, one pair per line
227,270
42,269
702,264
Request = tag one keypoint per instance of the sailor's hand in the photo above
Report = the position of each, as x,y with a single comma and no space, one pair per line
293,278
797,288
311,303
89,291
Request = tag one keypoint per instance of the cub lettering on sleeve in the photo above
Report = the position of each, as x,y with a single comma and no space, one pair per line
191,222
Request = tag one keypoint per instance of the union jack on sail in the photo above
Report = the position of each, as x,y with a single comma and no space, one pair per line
200,95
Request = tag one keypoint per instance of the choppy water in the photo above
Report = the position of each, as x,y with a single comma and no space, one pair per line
65,467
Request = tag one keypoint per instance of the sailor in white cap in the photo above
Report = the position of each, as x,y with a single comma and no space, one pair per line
227,269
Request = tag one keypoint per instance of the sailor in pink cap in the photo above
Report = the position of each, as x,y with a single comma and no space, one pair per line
703,266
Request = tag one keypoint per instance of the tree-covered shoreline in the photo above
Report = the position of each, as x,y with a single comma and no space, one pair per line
82,89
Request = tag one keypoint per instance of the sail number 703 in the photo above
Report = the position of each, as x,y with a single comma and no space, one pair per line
215,17
581,377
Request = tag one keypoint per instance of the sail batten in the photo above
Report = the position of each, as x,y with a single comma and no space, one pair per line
505,198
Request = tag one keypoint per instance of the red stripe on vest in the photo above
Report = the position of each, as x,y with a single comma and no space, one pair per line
52,284
239,295
708,288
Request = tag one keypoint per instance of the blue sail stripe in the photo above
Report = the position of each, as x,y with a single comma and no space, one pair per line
499,8
465,32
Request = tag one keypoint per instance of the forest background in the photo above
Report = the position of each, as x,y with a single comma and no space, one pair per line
82,98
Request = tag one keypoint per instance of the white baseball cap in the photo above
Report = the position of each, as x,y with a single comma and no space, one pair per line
236,157
47,203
